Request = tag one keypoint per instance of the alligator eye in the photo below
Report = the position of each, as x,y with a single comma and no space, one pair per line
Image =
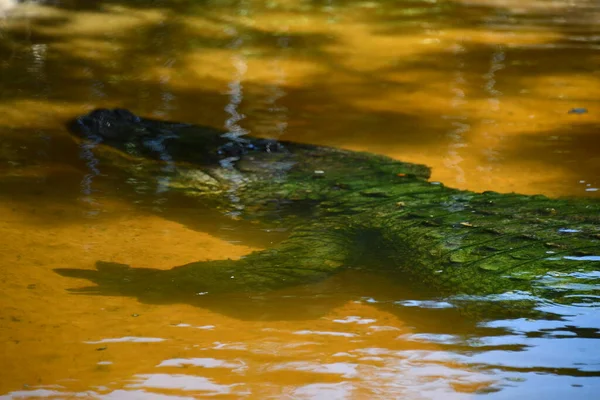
126,115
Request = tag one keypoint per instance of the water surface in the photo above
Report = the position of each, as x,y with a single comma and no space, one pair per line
493,95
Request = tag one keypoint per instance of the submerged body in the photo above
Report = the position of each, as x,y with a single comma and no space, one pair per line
343,208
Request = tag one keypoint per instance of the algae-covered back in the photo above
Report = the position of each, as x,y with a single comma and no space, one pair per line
343,208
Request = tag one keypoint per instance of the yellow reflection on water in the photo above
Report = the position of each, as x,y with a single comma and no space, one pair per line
114,346
480,91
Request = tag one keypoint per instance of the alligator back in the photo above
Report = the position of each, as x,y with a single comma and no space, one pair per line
352,208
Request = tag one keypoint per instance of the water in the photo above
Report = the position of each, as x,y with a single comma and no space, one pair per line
480,91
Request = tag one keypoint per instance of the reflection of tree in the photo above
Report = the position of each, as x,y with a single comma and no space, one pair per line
236,94
139,64
496,64
158,41
458,118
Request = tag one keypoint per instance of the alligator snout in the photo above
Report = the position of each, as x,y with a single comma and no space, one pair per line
105,124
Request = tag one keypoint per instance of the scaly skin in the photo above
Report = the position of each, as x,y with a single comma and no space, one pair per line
348,209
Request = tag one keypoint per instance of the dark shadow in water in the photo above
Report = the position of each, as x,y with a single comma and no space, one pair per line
152,286
302,302
568,19
519,64
570,147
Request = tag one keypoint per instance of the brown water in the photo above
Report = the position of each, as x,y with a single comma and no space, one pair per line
479,90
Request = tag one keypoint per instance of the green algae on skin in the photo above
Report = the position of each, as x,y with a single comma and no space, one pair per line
346,209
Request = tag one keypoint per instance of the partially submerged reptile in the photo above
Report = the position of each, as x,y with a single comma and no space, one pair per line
347,209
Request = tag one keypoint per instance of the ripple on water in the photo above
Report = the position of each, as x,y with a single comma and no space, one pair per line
325,333
346,370
128,339
425,303
329,391
202,362
182,382
140,394
355,319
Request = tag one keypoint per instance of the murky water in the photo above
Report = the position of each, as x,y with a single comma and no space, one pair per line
500,95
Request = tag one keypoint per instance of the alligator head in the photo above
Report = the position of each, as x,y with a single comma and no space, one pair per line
163,140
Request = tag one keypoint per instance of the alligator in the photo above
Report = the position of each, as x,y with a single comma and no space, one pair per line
345,209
